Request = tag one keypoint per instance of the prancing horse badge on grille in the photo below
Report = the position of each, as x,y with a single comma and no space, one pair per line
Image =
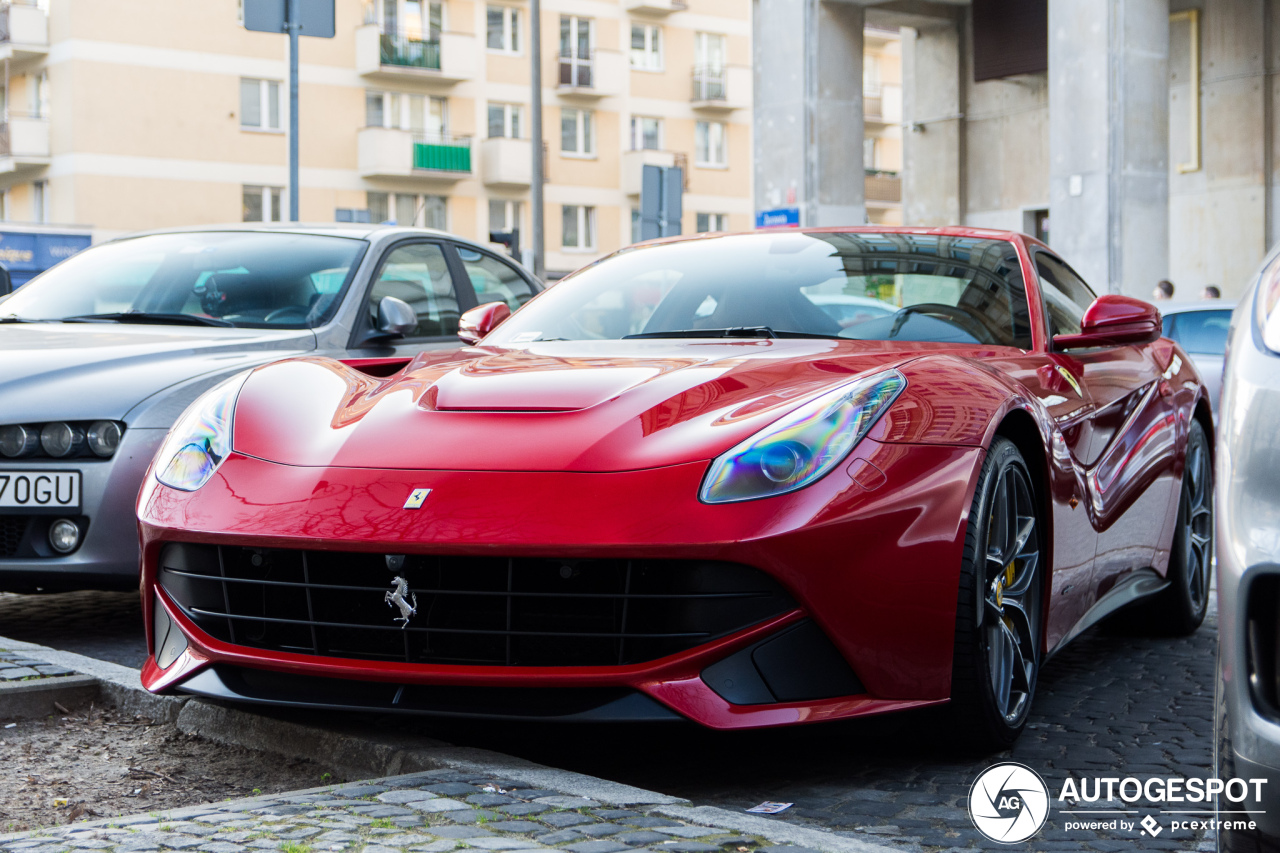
396,598
416,498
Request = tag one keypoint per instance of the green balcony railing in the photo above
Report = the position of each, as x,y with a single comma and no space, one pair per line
442,154
410,52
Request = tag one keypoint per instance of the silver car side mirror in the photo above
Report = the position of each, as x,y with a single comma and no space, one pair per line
395,318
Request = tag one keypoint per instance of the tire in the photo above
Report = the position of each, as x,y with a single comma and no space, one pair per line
1232,840
1000,605
1179,609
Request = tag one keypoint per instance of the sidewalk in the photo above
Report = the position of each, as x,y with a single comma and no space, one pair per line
457,798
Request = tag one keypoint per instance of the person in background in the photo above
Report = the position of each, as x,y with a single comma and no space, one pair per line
1164,290
1211,291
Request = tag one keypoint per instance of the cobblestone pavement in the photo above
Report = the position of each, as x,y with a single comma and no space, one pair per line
16,666
1108,705
102,625
430,812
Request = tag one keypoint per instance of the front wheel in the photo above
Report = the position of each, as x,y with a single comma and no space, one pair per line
1179,609
1000,604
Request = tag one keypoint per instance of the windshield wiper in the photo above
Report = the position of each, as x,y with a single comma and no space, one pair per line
149,317
735,332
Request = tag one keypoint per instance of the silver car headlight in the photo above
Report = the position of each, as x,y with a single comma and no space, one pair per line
1266,310
201,439
803,446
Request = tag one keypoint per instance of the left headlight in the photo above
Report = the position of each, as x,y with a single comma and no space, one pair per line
803,446
201,438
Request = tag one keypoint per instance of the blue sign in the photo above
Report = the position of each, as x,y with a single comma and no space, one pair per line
25,254
782,217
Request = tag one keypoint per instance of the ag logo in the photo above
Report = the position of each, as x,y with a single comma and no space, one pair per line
1009,803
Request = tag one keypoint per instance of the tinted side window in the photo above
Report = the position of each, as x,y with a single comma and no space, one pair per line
1202,332
419,275
1066,296
494,280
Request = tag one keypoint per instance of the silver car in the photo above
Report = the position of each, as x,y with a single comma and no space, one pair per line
1201,328
1247,714
99,356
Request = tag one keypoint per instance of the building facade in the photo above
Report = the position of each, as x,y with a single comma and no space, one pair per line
131,115
1137,136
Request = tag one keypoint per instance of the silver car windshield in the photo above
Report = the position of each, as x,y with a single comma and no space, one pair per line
855,285
227,278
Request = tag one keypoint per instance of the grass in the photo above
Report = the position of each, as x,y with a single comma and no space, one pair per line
382,823
295,847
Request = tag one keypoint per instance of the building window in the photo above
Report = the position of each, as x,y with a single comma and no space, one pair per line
5,200
504,29
578,227
646,134
430,211
708,51
38,94
259,104
40,201
576,137
263,204
869,152
709,222
709,138
400,111
646,47
635,225
504,215
504,121
412,19
577,43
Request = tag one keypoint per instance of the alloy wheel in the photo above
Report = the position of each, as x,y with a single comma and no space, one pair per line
1011,606
1197,499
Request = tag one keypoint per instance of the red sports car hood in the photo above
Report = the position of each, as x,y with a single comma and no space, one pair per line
556,406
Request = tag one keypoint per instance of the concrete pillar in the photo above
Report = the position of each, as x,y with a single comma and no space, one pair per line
1109,140
932,184
808,98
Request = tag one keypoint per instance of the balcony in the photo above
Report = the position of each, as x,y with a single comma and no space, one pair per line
24,144
655,7
24,32
396,56
596,76
384,152
506,162
633,163
883,187
721,88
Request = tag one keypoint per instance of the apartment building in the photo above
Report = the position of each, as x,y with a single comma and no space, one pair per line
135,114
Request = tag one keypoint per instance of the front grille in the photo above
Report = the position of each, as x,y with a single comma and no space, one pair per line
497,611
12,529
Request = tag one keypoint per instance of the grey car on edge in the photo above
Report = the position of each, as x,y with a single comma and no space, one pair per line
101,354
1247,709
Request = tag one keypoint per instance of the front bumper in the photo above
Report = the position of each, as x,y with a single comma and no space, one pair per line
873,562
107,558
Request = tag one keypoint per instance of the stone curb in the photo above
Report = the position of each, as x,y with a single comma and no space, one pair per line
26,700
364,756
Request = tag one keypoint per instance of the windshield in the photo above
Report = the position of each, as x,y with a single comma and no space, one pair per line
859,286
228,278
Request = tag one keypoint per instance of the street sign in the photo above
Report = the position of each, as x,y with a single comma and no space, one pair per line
661,208
315,17
781,217
297,18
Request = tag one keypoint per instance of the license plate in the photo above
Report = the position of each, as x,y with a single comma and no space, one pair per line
35,490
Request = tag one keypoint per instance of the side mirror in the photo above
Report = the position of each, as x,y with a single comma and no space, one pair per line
481,320
1113,321
395,318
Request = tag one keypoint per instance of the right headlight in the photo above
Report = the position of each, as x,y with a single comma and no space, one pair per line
201,439
803,446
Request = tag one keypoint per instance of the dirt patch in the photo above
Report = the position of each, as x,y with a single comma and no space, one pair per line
97,762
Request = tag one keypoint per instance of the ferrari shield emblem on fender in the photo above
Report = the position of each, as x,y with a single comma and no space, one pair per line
416,498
